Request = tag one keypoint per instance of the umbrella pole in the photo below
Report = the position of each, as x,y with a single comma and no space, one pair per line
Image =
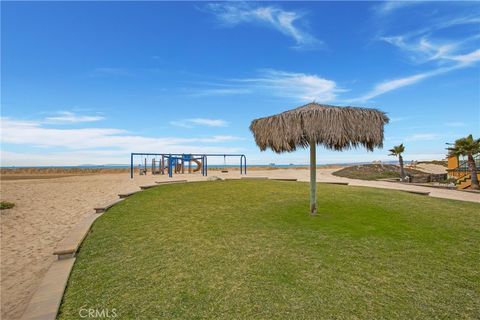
313,178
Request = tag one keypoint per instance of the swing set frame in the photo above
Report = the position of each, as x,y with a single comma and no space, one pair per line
173,159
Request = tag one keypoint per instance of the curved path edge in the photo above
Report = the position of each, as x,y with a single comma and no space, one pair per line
45,303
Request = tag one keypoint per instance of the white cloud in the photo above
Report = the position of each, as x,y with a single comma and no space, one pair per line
426,45
220,92
70,117
456,124
390,85
286,22
423,137
298,86
62,158
443,22
190,123
108,71
94,157
47,146
107,141
209,122
467,58
101,157
388,7
302,157
397,119
422,49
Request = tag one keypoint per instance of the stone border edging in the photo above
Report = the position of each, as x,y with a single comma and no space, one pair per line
107,206
161,183
172,181
68,247
422,193
333,182
46,300
128,194
148,186
254,178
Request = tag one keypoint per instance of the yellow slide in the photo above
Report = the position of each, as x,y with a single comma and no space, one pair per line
199,165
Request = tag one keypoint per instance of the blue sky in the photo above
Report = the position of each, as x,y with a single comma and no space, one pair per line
90,82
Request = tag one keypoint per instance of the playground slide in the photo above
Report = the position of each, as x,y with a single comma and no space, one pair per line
199,165
179,167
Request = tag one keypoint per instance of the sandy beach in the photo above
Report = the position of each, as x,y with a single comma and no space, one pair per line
47,209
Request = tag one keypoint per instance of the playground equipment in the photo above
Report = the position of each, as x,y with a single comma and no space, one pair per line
179,164
171,163
224,170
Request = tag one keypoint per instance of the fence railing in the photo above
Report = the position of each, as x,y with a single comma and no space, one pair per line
463,168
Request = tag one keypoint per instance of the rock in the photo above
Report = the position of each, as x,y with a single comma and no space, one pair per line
214,178
427,177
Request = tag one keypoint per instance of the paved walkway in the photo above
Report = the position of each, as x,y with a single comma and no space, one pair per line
325,175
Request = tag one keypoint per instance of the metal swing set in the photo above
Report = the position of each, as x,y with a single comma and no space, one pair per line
170,163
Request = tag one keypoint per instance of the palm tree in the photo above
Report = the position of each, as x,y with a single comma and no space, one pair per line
397,152
467,147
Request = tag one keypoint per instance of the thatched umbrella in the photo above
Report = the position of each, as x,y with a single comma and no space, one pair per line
336,128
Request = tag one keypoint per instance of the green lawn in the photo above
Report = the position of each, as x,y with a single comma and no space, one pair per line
249,250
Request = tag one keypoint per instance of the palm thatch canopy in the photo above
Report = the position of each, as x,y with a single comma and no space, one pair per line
336,128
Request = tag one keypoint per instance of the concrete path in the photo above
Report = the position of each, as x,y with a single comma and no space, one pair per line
325,175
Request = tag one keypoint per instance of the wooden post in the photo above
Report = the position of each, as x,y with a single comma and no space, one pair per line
313,178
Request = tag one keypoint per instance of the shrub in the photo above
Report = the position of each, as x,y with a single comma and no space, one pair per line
6,205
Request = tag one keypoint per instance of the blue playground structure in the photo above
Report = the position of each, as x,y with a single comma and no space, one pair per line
177,163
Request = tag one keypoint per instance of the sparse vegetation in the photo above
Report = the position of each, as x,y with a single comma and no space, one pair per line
437,162
373,172
6,205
